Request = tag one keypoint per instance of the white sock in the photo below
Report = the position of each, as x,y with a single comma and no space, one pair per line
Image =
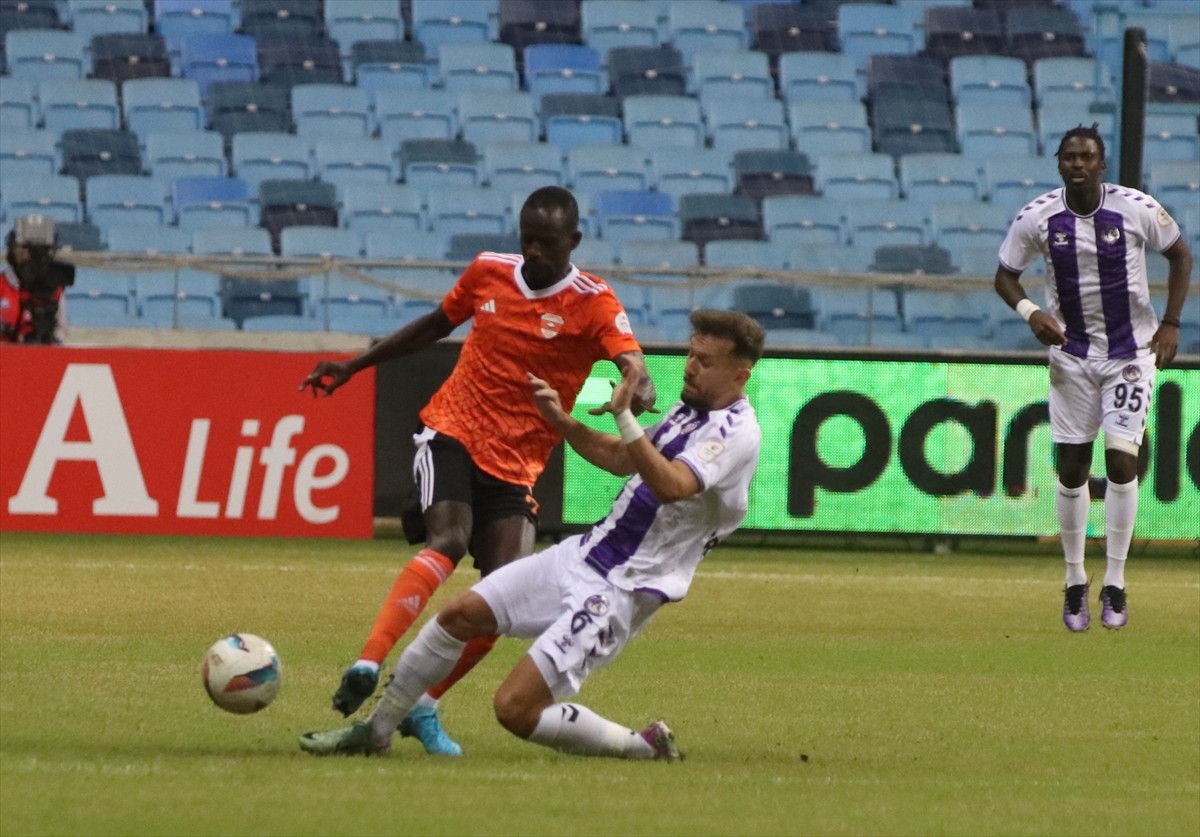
1071,506
1120,511
575,729
427,701
369,664
427,660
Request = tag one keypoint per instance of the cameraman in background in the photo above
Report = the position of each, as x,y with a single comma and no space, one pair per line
31,309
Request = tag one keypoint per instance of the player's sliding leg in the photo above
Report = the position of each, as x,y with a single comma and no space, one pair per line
422,721
405,602
1120,512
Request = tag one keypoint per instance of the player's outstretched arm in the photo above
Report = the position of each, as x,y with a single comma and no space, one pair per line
1044,327
645,394
328,375
600,449
668,480
1165,342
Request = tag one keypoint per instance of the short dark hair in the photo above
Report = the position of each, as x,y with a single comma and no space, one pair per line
1092,132
741,329
554,198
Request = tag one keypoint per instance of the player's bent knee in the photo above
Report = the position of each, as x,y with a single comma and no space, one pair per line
515,713
467,616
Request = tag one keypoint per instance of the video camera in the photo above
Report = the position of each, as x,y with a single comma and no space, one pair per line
31,246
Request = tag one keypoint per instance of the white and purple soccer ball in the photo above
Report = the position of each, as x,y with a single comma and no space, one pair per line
241,673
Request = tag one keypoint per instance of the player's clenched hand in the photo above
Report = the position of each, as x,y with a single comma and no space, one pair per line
545,397
337,373
1164,344
1047,329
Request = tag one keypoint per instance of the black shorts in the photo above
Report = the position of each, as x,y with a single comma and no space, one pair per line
443,470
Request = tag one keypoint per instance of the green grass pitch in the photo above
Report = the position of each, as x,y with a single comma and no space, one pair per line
815,691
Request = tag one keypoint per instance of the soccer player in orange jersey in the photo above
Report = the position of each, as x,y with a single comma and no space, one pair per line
483,443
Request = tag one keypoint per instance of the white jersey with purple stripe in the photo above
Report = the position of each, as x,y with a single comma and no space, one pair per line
645,545
1096,281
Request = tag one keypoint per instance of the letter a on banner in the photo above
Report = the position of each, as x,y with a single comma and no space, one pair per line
109,445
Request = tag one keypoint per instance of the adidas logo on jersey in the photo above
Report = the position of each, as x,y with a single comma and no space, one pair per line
489,306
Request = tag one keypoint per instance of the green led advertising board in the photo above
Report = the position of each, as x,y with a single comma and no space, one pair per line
884,445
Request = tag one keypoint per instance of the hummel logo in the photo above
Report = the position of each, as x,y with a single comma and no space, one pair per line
489,306
412,604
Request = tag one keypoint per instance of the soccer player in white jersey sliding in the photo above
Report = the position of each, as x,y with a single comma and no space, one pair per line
1105,343
585,597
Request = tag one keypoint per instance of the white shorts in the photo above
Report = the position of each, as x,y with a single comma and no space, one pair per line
581,621
1087,394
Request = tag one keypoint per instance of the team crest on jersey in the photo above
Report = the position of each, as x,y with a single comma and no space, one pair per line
1131,373
622,323
1164,217
596,605
710,450
551,323
1061,239
1111,235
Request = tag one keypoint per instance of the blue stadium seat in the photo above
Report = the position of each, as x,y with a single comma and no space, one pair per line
979,260
346,160
907,124
39,54
340,110
525,23
294,21
1012,182
663,121
394,207
439,23
210,201
630,215
573,119
957,30
776,304
78,103
606,24
821,127
161,104
1169,85
1176,183
732,72
563,68
856,315
421,288
746,254
172,297
99,298
912,259
292,60
178,19
482,66
121,56
594,255
866,29
172,154
800,220
379,65
281,323
351,21
1081,80
957,226
18,104
650,70
320,242
522,166
125,238
212,58
736,124
125,199
782,28
830,258
497,116
990,130
53,195
295,203
818,76
604,168
456,210
874,224
714,217
948,319
432,163
681,171
644,290
269,155
857,177
91,151
403,114
1036,32
1170,137
760,172
242,106
697,25
932,178
101,17
231,241
990,80
1055,121
27,152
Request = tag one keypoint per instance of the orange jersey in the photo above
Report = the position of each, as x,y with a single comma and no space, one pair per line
557,333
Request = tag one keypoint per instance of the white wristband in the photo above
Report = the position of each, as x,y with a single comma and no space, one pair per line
1026,307
631,431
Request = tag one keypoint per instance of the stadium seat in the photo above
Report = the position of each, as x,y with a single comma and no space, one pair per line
78,235
161,104
210,202
53,195
604,168
732,72
251,320
404,114
909,125
346,160
90,151
270,155
337,110
212,58
574,119
1176,184
454,210
98,298
745,254
563,68
644,289
18,104
977,260
594,255
608,24
38,14
874,224
178,19
497,116
698,25
735,124
1012,182
830,258
991,130
710,217
1083,80
818,76
125,199
27,152
763,172
888,75
294,60
856,315
821,127
663,121
932,178
775,304
350,22
463,247
172,154
320,242
957,226
283,20
957,30
990,80
681,171
646,70
1170,137
125,238
525,23
947,319
522,166
78,103
394,207
39,54
477,66
101,17
174,297
916,259
1036,32
800,220
239,106
437,23
866,29
782,28
1054,122
629,215
420,288
295,203
1173,84
433,163
857,177
379,65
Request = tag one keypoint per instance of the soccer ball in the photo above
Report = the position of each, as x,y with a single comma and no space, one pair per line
241,673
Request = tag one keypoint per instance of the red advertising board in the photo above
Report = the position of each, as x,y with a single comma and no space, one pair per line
181,442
